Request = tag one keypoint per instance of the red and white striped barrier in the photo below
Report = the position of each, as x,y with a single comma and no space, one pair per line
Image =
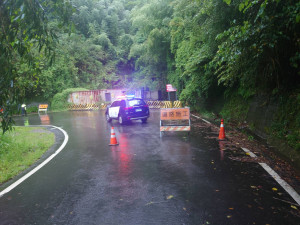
175,119
175,128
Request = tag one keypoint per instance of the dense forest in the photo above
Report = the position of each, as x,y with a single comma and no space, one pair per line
212,51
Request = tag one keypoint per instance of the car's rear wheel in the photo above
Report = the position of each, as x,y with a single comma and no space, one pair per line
120,119
108,119
144,120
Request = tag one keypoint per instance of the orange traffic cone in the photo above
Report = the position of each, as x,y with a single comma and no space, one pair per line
113,139
222,131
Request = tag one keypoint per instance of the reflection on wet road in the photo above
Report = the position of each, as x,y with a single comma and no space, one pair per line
176,179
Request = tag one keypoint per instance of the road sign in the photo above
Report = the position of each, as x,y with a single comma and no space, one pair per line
175,114
175,119
170,88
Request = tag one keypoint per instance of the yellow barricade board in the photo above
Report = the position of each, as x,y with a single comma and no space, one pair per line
43,107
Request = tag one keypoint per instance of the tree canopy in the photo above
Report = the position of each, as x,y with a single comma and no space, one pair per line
24,37
206,48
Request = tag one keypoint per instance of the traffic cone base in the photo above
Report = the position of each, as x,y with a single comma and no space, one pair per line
113,139
222,136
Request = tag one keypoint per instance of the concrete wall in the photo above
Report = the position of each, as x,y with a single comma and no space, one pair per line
261,114
95,96
107,95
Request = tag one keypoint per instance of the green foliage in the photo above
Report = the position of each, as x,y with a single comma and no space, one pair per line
151,47
32,109
250,138
293,140
24,27
227,1
187,95
260,46
235,108
103,40
193,31
60,100
92,56
207,49
287,122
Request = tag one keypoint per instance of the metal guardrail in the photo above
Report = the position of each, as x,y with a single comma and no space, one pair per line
82,107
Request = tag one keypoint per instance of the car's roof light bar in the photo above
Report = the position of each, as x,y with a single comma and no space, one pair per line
125,96
130,96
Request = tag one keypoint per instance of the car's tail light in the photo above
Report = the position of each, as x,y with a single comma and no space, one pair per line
128,108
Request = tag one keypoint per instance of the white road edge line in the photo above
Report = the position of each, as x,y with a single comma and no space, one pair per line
249,152
201,119
291,191
15,184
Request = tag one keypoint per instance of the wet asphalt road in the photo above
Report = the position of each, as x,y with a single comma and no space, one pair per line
176,179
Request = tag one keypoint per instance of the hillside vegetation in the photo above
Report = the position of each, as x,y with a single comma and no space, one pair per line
221,55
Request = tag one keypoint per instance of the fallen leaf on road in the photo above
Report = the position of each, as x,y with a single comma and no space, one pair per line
149,203
231,208
184,209
294,207
170,196
274,189
229,216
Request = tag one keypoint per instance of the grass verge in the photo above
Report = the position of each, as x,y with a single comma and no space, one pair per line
20,148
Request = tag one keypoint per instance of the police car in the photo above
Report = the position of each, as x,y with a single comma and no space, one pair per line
127,108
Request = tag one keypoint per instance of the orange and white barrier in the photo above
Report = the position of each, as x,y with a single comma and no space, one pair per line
43,107
175,119
179,128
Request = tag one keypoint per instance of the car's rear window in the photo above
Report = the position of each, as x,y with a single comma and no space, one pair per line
135,102
123,103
